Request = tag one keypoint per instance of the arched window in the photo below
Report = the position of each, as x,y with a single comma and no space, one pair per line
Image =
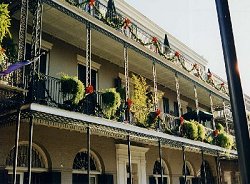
80,167
38,159
39,164
156,177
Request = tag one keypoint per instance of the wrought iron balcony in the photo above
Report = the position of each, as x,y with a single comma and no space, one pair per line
137,32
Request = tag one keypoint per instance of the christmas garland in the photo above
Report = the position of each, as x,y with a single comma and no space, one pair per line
119,22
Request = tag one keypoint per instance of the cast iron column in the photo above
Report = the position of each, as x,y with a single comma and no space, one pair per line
30,147
184,164
218,168
204,168
235,89
88,152
16,145
129,161
160,155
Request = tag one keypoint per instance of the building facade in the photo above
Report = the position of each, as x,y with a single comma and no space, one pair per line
52,136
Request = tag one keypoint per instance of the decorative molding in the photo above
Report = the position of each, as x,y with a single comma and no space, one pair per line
82,60
45,44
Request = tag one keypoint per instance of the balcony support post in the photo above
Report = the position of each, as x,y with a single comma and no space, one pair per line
177,84
126,72
196,102
18,122
225,115
184,164
31,125
160,155
88,54
23,30
203,167
129,170
88,152
212,109
218,168
155,93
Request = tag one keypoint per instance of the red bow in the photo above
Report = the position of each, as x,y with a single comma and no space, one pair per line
157,112
182,120
91,2
129,102
154,40
177,54
127,23
222,84
89,89
216,133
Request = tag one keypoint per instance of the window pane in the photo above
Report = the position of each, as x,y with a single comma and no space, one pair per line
165,105
82,75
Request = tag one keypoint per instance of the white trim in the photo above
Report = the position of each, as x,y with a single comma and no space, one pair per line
82,60
124,126
45,44
25,169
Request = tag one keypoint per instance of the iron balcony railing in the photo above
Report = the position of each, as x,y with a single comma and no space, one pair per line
136,31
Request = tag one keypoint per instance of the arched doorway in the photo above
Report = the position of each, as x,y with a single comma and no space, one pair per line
156,177
39,164
80,167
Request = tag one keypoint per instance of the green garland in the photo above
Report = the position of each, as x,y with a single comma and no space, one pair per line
119,23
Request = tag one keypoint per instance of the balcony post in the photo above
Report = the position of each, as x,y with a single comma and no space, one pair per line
88,54
203,167
30,147
184,163
35,46
127,110
225,115
88,152
212,109
18,121
196,102
218,168
235,89
160,155
155,92
177,84
129,161
23,33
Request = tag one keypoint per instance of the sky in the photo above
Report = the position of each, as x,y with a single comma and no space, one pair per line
195,23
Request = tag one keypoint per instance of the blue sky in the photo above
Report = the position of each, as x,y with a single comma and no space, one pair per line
194,22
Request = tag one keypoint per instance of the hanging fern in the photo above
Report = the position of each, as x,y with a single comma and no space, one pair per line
73,87
111,102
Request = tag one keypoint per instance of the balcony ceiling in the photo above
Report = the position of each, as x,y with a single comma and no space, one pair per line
72,31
